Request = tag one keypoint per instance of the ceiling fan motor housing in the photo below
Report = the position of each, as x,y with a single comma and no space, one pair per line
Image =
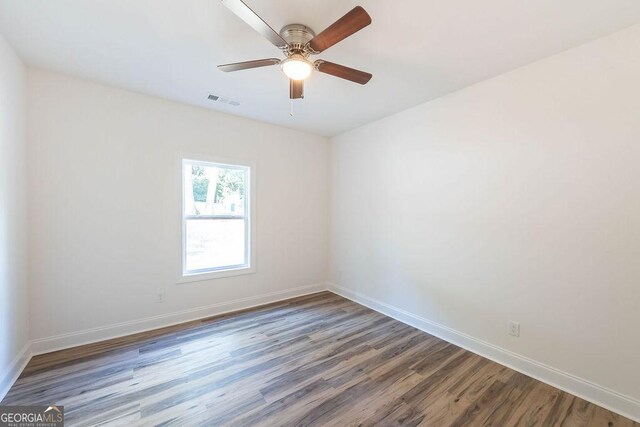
297,36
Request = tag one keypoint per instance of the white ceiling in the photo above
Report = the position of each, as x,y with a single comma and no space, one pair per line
417,50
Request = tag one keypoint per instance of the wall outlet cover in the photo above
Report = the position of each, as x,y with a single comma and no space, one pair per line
513,328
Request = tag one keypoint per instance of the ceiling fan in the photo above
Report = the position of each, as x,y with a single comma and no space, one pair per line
298,42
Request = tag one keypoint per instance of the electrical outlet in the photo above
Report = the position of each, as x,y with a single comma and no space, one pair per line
513,328
160,297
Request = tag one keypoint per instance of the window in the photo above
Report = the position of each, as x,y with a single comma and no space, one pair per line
216,226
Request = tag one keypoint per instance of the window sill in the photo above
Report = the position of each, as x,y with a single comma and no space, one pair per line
212,275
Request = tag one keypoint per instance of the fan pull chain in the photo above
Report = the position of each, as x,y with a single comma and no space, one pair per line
291,111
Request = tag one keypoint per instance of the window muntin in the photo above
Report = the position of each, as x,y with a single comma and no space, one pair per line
216,220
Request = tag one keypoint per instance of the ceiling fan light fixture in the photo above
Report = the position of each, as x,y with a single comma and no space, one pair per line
297,67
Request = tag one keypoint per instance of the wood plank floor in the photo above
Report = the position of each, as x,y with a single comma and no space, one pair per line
314,360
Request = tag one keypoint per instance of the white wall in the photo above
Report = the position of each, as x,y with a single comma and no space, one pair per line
104,198
517,198
14,327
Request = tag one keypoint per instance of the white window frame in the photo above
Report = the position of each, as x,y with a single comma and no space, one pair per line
249,218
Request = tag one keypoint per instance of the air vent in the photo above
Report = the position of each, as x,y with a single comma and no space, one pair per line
222,100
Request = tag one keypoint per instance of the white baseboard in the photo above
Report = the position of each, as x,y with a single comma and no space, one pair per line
601,396
88,336
15,369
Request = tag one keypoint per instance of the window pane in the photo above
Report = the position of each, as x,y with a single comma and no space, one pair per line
213,190
213,243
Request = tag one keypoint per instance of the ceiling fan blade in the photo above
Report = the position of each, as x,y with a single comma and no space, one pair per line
237,66
296,89
352,22
245,13
343,72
